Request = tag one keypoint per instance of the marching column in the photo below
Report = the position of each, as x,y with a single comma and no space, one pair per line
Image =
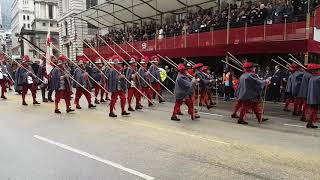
25,78
183,90
249,92
143,72
81,76
313,96
155,82
134,84
61,84
117,86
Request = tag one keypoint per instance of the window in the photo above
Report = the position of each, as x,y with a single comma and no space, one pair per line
66,28
24,25
24,17
43,24
50,11
51,25
91,3
28,18
29,26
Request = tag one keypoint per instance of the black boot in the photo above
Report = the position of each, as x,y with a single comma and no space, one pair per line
96,101
69,110
242,122
125,113
36,103
112,114
91,106
57,111
78,106
130,109
311,126
174,118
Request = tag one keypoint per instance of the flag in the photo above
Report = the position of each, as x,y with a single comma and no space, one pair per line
49,53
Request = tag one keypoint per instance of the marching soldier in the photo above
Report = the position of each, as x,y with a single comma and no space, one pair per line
83,88
293,88
303,92
313,96
208,88
100,78
204,82
42,74
134,84
117,86
249,92
143,72
156,79
61,84
184,88
25,77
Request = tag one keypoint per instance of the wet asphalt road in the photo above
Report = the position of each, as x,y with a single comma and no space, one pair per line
87,144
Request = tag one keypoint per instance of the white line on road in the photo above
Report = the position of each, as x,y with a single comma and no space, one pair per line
63,146
219,115
293,125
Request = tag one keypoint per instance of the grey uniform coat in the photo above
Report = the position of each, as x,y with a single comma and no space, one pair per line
313,97
303,92
78,76
155,72
250,87
114,83
143,73
183,87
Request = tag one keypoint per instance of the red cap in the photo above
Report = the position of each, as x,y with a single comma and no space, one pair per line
98,61
62,58
181,67
204,68
155,59
294,66
117,59
26,58
144,60
196,66
133,59
248,65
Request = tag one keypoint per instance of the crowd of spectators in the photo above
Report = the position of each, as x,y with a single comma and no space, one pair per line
250,13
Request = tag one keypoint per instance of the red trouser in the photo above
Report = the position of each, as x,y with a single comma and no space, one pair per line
209,96
25,89
98,89
314,113
147,92
288,101
237,107
188,101
250,104
3,86
79,92
114,97
156,86
298,104
305,109
65,95
133,91
204,97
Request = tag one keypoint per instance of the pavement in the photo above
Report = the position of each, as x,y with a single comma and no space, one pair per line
87,144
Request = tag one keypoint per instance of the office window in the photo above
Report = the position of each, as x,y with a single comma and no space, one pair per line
50,11
29,26
66,28
24,17
28,18
43,24
51,25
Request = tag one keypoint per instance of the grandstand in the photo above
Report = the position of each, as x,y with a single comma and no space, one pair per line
202,29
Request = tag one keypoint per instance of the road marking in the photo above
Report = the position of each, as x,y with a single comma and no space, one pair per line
63,146
293,125
219,115
176,132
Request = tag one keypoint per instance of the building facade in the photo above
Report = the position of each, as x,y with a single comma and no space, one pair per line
46,16
22,14
69,27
